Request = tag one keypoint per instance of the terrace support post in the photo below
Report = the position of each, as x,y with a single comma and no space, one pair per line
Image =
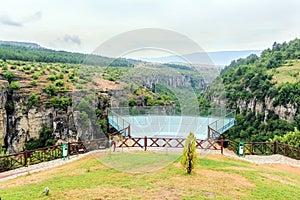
208,133
129,131
25,158
145,143
275,148
222,146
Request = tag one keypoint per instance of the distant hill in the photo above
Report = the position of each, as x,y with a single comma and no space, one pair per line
25,51
216,58
22,44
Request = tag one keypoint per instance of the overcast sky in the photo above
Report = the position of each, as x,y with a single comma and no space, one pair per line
82,25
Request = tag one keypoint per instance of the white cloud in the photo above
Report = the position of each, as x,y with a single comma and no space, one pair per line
215,24
7,20
72,39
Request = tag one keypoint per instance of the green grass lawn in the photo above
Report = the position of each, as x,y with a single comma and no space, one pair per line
137,162
216,176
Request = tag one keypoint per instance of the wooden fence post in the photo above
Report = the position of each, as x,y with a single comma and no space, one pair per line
145,143
275,148
26,158
115,145
222,145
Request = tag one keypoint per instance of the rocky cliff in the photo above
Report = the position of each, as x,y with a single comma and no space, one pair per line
285,112
19,122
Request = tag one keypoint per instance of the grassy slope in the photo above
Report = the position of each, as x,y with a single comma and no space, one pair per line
288,73
216,176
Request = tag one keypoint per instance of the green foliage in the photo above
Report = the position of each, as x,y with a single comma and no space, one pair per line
2,149
15,85
51,90
52,78
26,68
61,102
84,118
13,52
9,107
252,127
34,82
143,96
250,80
35,76
288,93
4,68
33,100
85,106
59,83
189,156
103,125
13,67
78,86
8,75
292,138
132,102
114,73
45,139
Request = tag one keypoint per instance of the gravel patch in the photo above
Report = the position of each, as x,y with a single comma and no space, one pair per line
272,159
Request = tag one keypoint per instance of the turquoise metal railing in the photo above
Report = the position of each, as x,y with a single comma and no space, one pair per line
223,124
118,122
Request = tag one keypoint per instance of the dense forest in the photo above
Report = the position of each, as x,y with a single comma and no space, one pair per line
260,88
40,54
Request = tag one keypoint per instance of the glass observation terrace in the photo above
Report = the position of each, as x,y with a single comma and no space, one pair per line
165,121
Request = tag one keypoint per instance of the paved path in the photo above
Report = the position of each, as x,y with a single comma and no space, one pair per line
38,167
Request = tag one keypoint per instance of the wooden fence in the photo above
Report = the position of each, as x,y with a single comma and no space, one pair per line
148,142
266,148
30,157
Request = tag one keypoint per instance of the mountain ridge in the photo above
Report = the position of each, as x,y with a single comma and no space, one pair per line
209,58
22,44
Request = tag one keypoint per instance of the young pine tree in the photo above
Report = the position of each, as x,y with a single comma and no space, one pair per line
189,157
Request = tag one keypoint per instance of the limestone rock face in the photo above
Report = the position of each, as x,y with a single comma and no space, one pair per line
19,125
3,116
285,112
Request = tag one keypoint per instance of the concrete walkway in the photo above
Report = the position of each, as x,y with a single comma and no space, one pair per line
38,167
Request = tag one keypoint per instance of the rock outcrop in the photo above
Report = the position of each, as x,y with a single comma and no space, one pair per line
285,112
19,122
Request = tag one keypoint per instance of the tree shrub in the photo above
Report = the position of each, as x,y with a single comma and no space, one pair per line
8,75
51,90
59,83
189,156
45,139
33,100
15,85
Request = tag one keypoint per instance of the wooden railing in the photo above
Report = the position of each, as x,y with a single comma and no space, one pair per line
148,142
266,148
27,158
30,157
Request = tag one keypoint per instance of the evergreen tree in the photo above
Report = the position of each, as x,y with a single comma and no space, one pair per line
189,158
